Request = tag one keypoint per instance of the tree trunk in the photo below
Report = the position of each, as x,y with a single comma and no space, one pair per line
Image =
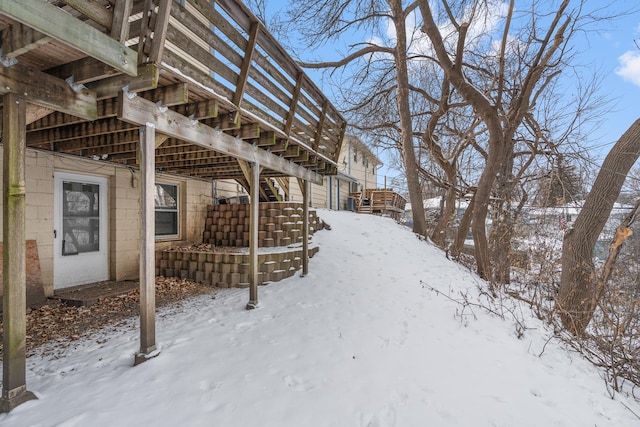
463,229
502,235
503,223
439,234
576,300
483,198
404,110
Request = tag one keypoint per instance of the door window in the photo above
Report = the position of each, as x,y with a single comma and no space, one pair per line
80,218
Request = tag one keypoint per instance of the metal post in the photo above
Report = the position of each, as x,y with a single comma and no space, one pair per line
253,236
305,228
14,383
147,245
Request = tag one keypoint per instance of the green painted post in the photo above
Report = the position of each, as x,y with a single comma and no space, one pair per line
14,383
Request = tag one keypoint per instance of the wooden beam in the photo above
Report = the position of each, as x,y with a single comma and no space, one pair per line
148,347
248,131
254,184
93,10
120,22
246,64
246,169
146,79
294,104
36,112
14,383
318,137
306,197
85,70
169,96
60,25
140,111
267,139
160,139
47,91
19,39
201,110
160,31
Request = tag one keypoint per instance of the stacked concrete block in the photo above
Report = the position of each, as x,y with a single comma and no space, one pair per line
279,224
229,269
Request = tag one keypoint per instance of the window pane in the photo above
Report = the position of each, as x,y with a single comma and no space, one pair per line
166,196
166,223
80,218
166,203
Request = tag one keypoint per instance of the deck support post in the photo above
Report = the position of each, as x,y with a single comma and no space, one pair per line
305,227
146,150
254,184
14,383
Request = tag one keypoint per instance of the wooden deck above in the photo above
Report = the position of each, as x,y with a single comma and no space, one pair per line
218,87
380,201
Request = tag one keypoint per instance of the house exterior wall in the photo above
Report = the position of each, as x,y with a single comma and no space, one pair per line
318,193
357,161
123,195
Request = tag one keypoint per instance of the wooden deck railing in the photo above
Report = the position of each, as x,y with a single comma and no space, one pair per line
212,61
382,201
226,49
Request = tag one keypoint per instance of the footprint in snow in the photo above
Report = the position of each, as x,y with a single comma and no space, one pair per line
297,383
245,326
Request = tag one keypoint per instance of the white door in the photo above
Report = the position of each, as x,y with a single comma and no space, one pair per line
80,236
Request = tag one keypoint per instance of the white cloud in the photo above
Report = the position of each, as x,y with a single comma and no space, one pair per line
630,67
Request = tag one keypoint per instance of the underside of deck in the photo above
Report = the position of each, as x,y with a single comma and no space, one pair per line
189,87
211,63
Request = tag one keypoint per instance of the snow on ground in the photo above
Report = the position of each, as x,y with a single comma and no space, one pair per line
361,341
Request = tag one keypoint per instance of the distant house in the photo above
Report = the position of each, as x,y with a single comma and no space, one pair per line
356,186
357,171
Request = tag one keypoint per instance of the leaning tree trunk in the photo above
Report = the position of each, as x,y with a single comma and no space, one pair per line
439,234
404,111
463,228
576,299
482,199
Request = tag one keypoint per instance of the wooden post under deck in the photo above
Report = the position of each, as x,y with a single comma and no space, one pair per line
146,149
253,236
305,228
14,383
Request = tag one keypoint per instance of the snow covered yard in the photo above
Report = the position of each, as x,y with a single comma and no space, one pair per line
361,341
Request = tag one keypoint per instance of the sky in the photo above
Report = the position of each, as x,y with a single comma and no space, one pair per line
375,335
610,51
615,52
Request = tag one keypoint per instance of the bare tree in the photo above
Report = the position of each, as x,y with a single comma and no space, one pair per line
328,20
503,87
579,290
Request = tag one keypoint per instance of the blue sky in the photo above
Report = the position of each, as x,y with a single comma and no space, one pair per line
615,52
610,50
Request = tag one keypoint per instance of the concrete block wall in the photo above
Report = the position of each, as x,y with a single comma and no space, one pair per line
124,220
124,210
279,224
225,269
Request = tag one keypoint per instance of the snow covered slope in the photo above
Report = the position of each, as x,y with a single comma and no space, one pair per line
361,341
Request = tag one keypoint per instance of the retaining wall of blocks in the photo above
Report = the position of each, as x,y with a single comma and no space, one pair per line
279,224
230,270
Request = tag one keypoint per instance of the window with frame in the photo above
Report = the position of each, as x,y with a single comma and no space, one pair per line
166,202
